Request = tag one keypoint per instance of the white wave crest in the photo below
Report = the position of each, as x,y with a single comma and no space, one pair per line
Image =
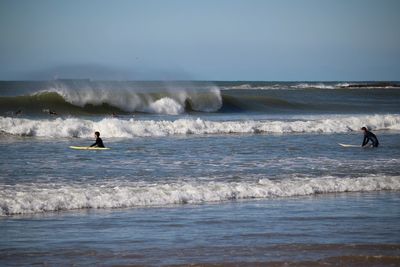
343,85
131,99
255,87
165,105
113,127
314,85
23,199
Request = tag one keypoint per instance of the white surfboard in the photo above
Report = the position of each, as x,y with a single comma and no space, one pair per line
89,148
347,145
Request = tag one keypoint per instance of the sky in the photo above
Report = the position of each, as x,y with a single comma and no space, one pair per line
262,40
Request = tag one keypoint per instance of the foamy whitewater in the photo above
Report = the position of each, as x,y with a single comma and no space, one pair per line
128,128
22,199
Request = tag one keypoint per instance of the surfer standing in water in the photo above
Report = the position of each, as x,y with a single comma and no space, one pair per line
369,136
99,142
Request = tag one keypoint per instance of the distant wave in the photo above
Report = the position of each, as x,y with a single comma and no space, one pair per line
318,85
252,86
113,127
348,85
309,85
33,198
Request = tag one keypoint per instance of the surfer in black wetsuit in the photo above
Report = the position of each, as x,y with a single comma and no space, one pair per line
369,136
99,142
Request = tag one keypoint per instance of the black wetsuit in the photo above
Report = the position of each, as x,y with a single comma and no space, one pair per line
368,136
99,143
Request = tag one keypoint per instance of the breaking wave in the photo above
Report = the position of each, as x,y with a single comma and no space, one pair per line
105,100
168,101
128,128
33,198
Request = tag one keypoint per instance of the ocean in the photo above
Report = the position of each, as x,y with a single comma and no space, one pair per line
199,173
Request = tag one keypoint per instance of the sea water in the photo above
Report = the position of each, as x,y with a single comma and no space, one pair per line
217,173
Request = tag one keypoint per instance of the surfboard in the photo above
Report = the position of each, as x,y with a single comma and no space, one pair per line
347,145
89,148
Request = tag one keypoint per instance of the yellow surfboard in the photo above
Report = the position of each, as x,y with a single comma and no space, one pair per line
89,148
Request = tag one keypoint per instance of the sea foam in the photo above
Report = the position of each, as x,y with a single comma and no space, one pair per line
33,198
128,128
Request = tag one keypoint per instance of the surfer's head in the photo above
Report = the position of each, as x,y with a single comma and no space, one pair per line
97,134
364,129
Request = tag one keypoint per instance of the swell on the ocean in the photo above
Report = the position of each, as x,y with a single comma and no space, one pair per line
32,198
129,128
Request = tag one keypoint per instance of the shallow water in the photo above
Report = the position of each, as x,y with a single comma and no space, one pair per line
316,229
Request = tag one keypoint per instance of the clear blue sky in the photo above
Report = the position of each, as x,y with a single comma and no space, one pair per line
200,40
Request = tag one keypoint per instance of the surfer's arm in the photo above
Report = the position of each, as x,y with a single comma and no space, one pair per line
365,141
